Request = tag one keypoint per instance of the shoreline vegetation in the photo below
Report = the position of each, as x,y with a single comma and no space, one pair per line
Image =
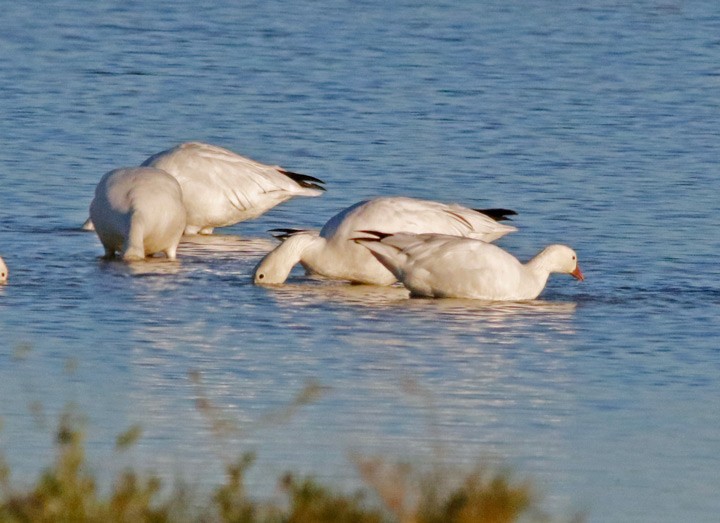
68,491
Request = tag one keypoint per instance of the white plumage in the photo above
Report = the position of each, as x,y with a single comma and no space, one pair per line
221,188
138,211
442,266
332,253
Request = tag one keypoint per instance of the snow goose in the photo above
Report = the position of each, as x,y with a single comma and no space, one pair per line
3,271
138,211
222,188
442,266
332,253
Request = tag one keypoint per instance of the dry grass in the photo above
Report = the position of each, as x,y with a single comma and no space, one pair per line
394,493
67,492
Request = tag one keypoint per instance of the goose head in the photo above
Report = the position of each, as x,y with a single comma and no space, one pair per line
275,267
561,259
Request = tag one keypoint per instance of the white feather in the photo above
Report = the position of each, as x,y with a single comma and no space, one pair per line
332,253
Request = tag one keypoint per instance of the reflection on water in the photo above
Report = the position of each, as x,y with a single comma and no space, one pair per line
589,389
148,267
225,244
374,315
195,253
313,290
317,291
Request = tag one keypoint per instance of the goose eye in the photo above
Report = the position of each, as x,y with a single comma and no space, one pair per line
261,276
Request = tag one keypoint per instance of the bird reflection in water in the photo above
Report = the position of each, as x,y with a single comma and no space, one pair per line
318,292
225,245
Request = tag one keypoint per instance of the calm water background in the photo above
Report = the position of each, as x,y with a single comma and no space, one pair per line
599,124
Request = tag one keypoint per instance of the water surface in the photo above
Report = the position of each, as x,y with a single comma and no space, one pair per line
597,123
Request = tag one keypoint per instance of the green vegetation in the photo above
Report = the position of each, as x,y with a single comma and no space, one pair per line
67,492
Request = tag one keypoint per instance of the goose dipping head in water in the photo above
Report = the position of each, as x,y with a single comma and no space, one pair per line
442,266
331,253
138,211
221,188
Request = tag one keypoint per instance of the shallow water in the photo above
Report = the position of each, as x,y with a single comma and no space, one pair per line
598,124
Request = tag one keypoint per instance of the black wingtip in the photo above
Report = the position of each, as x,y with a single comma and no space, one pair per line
304,180
284,234
497,214
375,236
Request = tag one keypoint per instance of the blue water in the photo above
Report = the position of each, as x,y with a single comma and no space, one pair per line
599,122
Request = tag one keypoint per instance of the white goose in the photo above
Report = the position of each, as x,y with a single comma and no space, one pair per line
442,266
221,188
138,211
3,271
332,253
